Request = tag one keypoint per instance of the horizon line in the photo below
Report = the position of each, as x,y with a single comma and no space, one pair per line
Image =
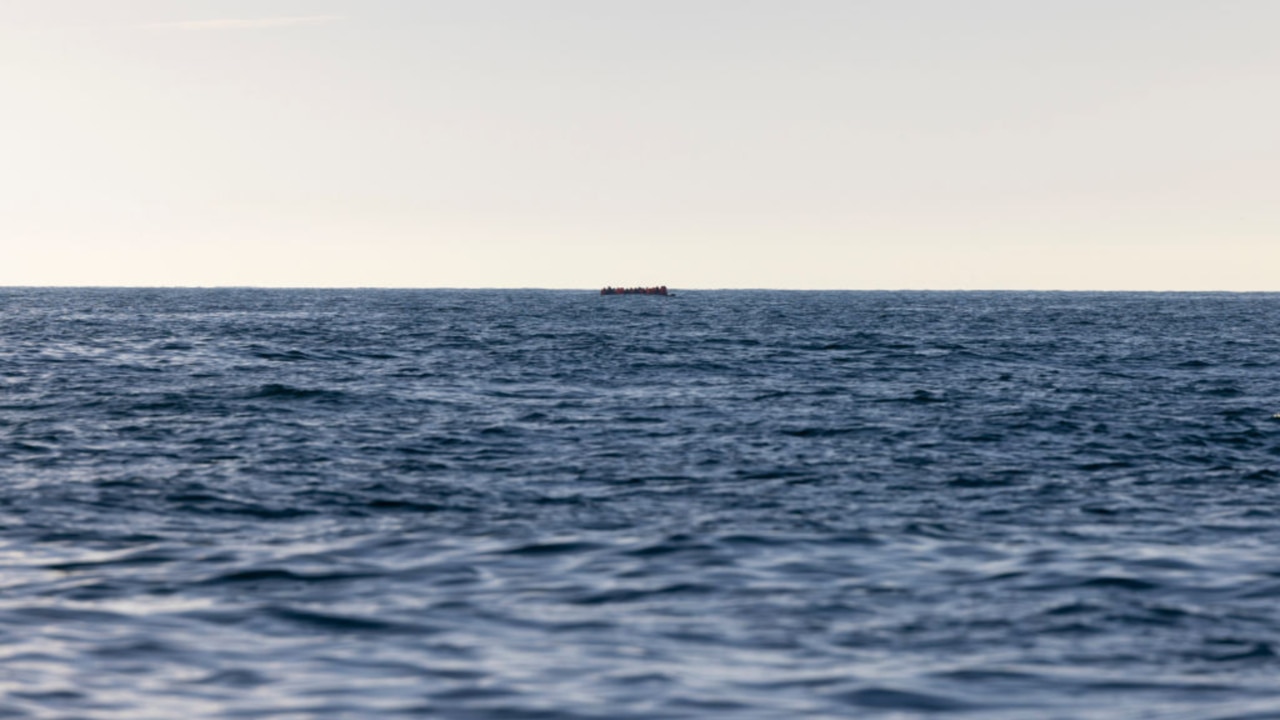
674,288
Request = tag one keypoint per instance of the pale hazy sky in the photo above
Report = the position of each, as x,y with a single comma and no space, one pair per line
1018,144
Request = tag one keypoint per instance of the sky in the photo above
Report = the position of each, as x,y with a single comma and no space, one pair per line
824,144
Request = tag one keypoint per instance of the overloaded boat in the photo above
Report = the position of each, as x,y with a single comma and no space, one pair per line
659,290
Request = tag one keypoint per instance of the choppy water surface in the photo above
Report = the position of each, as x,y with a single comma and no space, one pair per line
534,504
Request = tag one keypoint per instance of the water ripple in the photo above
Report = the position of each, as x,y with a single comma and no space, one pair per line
526,504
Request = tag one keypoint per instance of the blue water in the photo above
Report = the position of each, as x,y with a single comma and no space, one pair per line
546,504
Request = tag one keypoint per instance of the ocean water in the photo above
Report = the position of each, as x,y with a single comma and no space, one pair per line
249,503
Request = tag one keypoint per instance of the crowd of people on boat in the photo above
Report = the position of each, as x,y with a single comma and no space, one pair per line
659,290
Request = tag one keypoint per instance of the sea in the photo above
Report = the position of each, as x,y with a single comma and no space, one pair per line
537,504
